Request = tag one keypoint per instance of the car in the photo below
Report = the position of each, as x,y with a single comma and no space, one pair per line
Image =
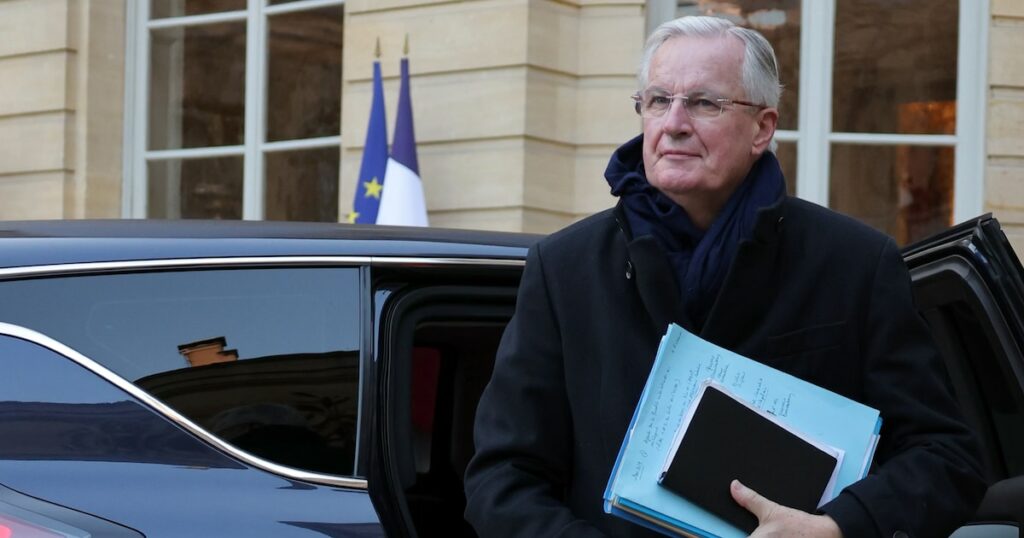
294,379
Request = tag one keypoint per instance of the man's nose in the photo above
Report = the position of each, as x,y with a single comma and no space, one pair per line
677,120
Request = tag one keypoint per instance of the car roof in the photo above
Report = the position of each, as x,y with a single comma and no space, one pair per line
83,241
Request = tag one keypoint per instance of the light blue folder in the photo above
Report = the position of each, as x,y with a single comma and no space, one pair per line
685,360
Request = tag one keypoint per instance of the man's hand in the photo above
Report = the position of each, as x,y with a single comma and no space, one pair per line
777,520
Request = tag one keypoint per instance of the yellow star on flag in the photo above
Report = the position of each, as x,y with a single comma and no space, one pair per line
373,188
352,216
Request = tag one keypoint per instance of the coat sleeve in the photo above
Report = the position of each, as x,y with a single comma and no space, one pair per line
927,478
516,481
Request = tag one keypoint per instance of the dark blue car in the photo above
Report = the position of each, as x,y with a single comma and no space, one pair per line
282,379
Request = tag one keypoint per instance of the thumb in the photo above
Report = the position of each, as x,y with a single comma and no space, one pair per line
752,500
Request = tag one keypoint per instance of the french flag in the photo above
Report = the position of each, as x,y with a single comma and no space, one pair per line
402,200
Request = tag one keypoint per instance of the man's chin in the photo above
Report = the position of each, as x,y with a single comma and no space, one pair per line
679,184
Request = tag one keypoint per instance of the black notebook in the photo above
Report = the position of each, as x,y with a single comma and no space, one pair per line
726,439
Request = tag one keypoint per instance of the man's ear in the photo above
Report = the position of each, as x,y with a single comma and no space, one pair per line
764,129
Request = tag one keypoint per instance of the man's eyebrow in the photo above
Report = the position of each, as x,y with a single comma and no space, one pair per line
701,92
696,92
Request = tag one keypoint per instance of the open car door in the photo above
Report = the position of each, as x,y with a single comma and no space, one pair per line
969,286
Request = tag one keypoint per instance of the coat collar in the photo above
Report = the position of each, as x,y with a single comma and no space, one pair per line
652,274
749,288
751,283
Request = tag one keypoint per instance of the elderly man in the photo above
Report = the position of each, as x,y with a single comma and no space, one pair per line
705,236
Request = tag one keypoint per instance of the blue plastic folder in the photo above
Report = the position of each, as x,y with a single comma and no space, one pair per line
684,361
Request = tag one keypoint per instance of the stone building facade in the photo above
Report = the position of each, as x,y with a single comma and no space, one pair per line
517,106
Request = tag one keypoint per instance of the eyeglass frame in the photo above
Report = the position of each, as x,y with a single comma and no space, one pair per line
720,101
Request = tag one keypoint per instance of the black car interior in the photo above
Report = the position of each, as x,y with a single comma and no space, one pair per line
444,339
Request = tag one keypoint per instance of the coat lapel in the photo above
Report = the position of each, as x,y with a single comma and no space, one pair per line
750,285
656,283
652,274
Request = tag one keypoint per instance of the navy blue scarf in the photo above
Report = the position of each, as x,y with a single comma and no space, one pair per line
700,259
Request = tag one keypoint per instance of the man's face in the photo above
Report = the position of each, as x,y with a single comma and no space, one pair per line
706,158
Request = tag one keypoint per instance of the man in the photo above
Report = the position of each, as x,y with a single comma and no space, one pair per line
705,236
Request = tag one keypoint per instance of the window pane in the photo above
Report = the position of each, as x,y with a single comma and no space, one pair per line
266,359
905,191
304,80
302,185
195,189
786,153
779,22
895,66
180,8
197,86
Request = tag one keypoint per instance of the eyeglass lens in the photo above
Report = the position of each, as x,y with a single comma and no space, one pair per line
655,104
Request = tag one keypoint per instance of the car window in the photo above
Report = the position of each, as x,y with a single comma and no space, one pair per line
267,359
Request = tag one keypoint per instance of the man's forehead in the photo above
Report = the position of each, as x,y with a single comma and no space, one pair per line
710,64
696,91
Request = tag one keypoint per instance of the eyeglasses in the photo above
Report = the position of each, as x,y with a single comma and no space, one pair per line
654,104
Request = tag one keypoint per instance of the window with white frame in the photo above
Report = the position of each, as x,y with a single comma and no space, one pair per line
234,109
883,109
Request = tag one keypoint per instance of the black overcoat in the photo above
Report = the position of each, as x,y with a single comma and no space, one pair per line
812,293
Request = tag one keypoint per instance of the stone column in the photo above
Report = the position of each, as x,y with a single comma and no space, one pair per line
61,102
1004,181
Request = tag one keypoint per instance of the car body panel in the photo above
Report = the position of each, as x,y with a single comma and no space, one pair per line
38,243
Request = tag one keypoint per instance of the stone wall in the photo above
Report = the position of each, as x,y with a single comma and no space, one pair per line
1004,181
517,105
61,106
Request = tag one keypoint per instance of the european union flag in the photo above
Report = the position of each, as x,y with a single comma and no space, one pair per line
375,158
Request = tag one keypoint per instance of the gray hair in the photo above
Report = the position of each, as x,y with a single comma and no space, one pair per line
760,67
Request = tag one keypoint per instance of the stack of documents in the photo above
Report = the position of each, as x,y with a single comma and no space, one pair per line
652,488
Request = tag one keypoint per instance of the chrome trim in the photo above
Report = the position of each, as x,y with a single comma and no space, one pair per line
177,263
35,337
390,261
186,263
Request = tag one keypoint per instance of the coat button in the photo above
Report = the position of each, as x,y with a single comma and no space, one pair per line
629,270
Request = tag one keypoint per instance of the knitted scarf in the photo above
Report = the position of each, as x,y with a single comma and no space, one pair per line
700,258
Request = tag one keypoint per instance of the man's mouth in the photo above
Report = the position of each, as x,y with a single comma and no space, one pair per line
678,153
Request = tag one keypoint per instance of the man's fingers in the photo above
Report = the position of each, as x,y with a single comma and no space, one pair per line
751,500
